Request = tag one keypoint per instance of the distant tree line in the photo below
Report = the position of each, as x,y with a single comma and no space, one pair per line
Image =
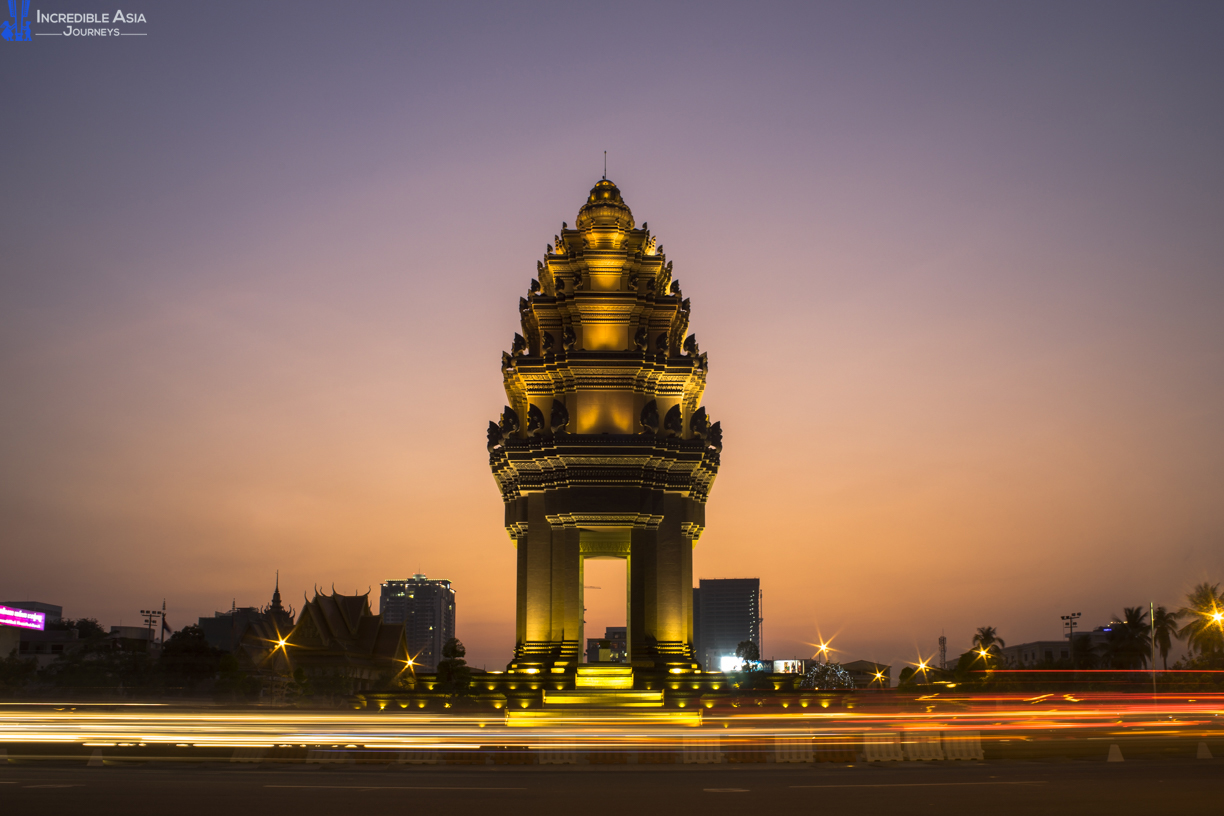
1128,646
186,665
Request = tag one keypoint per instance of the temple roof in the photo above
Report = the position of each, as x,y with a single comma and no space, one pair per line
342,627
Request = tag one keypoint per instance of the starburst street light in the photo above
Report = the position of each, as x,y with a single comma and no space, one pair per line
824,648
409,666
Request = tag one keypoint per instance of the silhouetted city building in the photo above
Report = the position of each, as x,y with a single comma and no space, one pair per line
426,607
611,648
224,630
1038,652
53,612
229,630
1043,652
130,638
726,612
48,645
869,675
44,645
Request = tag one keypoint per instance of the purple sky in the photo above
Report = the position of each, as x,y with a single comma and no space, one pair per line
959,269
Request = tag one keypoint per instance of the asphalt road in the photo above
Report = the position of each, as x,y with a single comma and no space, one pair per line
1067,787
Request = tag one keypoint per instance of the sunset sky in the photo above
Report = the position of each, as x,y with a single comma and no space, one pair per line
959,269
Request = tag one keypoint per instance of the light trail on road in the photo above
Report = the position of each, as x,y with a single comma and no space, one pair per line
108,725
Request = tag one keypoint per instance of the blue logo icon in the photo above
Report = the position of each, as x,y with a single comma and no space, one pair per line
19,29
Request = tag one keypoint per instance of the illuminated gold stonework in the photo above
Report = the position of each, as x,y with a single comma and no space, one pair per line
604,451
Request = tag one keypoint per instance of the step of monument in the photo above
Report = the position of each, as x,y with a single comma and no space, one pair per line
605,697
604,677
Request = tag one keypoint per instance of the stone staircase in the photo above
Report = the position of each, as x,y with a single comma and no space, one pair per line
603,694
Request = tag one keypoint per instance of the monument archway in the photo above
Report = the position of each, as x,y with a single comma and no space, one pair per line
604,449
605,587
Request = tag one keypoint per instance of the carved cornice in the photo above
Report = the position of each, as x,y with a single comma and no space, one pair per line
685,466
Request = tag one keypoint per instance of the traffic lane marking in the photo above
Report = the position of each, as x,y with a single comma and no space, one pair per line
924,784
394,787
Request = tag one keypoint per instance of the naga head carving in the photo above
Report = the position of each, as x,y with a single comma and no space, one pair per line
509,422
699,424
559,419
649,419
640,340
535,420
672,423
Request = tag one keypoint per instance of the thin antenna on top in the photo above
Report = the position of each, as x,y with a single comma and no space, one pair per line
605,165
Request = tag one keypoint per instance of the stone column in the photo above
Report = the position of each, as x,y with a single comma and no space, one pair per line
537,586
520,608
566,615
673,552
686,590
643,594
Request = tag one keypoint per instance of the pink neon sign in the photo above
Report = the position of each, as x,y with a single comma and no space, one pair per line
22,618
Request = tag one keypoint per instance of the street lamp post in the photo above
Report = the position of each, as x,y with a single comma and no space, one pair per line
1069,622
151,615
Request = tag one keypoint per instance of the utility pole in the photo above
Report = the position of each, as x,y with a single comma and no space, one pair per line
1069,622
151,615
1152,619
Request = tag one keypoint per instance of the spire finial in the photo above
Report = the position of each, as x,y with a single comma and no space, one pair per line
605,165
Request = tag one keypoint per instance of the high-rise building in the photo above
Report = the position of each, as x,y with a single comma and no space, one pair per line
427,610
726,612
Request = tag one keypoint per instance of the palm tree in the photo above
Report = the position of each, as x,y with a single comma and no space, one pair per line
1129,642
1084,653
987,640
1164,627
1204,611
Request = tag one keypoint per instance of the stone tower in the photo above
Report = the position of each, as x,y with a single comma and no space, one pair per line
604,450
